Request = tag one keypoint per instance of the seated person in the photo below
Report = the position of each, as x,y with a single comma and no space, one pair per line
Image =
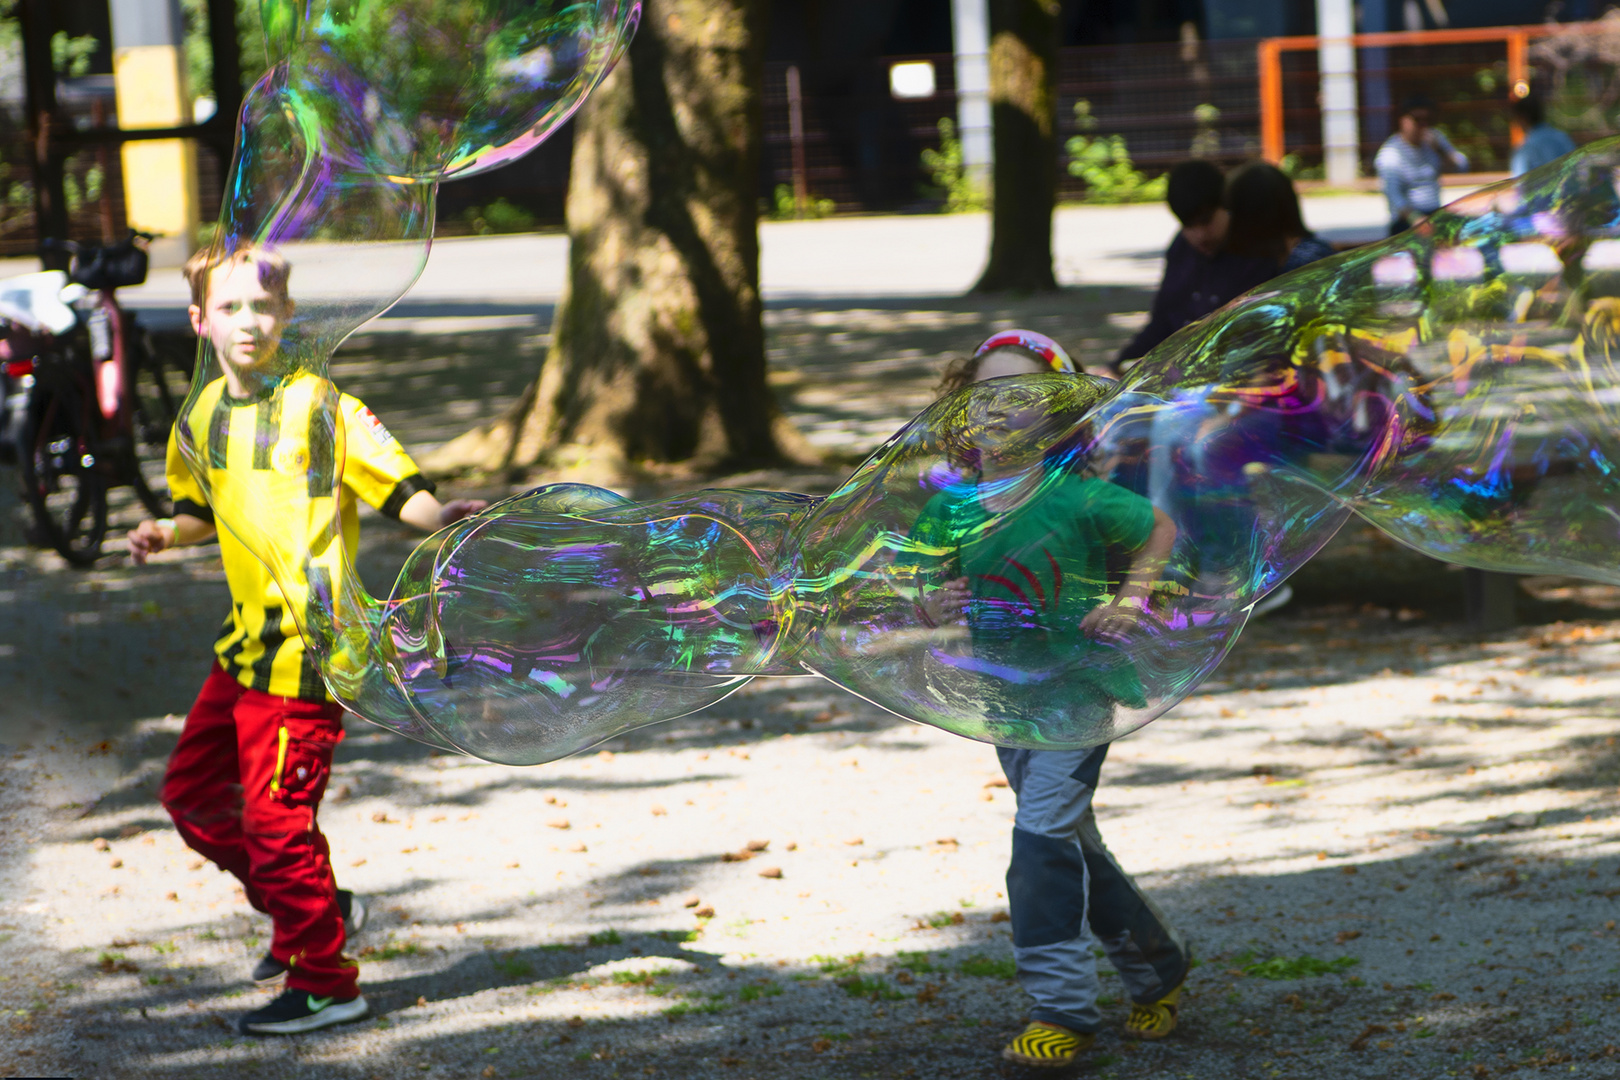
1200,275
1265,220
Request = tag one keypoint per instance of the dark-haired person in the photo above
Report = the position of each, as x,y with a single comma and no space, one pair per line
1199,274
1543,143
1265,219
1410,162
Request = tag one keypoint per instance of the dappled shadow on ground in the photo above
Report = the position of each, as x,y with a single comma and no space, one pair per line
1314,973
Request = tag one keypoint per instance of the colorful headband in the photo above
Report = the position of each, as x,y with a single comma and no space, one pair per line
1039,344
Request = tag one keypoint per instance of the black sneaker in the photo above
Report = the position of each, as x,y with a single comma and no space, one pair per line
297,1011
353,910
269,971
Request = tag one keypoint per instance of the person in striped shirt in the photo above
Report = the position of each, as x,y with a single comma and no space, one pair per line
246,779
1410,162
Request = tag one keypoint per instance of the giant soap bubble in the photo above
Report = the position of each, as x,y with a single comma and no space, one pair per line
1041,561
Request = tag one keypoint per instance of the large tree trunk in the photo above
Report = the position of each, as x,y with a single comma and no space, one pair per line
1023,118
658,350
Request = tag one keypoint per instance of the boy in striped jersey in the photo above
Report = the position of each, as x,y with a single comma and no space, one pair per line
245,781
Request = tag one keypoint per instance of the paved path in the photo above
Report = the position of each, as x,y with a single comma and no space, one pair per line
519,277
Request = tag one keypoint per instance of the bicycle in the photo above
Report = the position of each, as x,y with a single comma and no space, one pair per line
95,391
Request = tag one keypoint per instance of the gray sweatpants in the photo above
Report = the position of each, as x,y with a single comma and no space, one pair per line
1058,862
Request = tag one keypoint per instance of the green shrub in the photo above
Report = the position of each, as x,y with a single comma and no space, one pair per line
788,208
498,217
951,181
1104,163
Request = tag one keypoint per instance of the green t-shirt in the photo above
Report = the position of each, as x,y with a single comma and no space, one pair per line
1034,572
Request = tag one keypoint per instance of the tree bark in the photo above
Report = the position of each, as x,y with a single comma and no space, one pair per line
658,348
1023,118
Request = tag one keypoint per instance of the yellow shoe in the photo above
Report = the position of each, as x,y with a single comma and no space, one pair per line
1153,1021
1044,1044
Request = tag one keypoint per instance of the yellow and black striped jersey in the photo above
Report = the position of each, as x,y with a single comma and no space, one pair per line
263,465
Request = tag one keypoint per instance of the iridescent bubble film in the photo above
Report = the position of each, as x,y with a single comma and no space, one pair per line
1041,561
326,219
1453,385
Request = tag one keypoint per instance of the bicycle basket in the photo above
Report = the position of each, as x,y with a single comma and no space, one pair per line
110,267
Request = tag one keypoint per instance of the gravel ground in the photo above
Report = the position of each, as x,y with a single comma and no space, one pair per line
1397,860
1390,842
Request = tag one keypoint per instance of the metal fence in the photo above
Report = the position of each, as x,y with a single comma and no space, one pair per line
862,148
1468,74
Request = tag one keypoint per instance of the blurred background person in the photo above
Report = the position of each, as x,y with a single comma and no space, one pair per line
1264,221
1543,143
1200,275
1410,162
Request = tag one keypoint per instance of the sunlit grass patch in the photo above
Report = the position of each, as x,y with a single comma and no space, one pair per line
1298,967
997,967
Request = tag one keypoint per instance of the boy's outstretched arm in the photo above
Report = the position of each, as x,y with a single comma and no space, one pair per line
150,537
427,513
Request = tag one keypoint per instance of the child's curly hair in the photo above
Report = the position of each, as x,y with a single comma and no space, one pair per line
961,371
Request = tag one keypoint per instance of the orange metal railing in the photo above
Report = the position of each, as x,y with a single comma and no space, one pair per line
1516,40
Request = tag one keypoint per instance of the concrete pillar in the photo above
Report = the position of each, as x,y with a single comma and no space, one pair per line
160,175
1336,60
970,25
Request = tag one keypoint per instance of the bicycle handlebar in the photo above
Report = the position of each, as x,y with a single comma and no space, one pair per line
73,247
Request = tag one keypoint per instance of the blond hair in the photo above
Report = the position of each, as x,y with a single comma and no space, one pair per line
273,269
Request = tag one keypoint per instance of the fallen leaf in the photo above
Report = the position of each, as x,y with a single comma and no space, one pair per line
757,845
999,781
576,1021
771,872
116,864
577,848
659,811
691,901
854,842
1359,1043
704,912
100,843
380,817
1345,935
421,1001
821,1045
489,1071
558,823
1000,916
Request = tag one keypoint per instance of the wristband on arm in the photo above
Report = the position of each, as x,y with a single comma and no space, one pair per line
170,530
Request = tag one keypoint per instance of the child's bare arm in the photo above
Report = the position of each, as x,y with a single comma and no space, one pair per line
425,512
150,537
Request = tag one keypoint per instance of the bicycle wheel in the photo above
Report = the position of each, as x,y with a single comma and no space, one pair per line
61,479
159,385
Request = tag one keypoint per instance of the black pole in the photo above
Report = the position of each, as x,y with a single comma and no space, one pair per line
39,74
227,48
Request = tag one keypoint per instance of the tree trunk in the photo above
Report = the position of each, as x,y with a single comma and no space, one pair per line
1023,118
658,349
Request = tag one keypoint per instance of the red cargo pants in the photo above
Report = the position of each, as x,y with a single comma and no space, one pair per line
242,786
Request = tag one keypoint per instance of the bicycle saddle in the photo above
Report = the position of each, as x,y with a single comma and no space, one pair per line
35,301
